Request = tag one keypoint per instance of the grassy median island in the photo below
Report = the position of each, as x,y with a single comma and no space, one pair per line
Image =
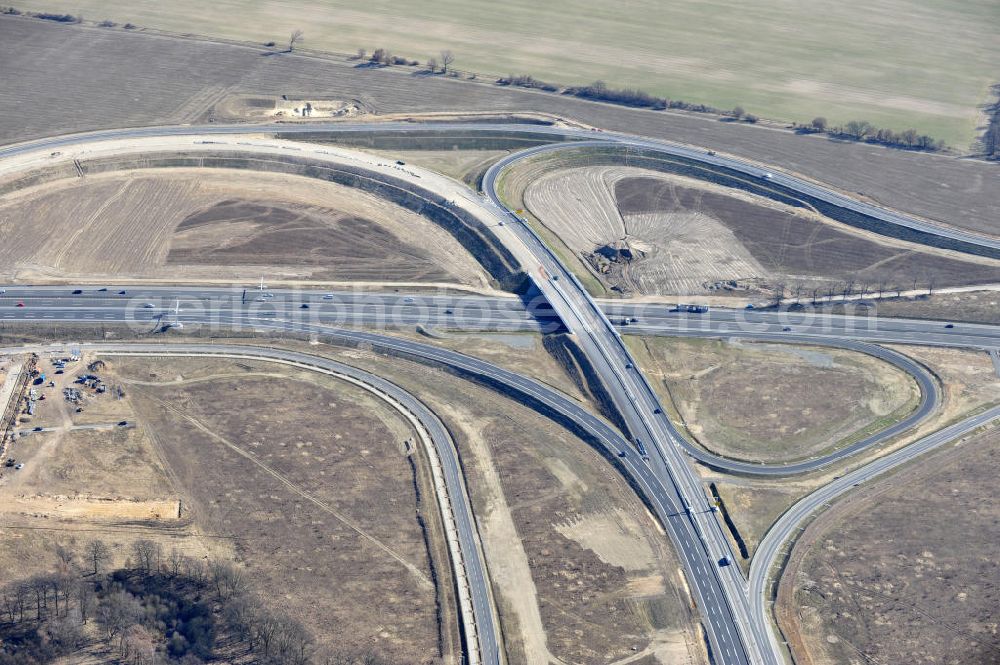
773,402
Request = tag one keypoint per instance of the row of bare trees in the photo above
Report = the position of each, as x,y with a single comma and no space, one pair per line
991,135
161,607
384,57
848,290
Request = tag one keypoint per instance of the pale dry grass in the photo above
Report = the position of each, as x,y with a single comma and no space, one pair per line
802,401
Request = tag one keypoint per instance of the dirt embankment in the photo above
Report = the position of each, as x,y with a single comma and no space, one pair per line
213,224
466,229
580,569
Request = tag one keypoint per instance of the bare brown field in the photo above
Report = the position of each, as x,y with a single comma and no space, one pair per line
881,576
272,467
797,246
202,224
288,469
581,572
968,377
69,76
970,306
646,233
636,253
803,400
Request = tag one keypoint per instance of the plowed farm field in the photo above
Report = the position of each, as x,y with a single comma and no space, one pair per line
230,225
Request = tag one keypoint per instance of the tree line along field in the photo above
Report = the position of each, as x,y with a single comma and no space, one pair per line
897,64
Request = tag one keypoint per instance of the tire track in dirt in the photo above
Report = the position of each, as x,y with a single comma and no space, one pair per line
69,243
325,507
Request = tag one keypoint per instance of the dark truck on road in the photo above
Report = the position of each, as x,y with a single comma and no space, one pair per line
691,309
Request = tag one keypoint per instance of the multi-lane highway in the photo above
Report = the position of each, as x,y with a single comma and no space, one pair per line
229,307
735,632
476,313
234,307
551,402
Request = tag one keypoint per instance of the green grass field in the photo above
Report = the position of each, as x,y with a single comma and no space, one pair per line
898,63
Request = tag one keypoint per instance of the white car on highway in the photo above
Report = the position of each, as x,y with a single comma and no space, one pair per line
148,305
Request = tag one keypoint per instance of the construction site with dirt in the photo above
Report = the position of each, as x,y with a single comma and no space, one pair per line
320,360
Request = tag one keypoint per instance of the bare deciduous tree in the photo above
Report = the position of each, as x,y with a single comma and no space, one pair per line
15,597
175,562
779,295
64,631
86,599
265,629
848,288
137,645
146,554
819,124
228,579
447,57
242,615
292,643
119,611
39,585
858,129
296,37
98,554
65,556
432,65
